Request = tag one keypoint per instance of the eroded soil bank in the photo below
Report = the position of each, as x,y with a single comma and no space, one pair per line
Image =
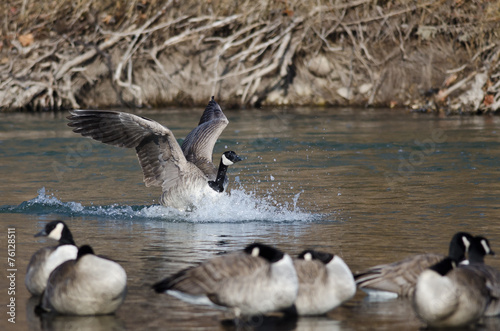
423,55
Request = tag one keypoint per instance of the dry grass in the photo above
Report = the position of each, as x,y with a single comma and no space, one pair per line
63,54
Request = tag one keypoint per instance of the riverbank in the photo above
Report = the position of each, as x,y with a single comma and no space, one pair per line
438,56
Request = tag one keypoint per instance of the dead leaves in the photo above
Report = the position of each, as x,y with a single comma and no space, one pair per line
26,39
488,99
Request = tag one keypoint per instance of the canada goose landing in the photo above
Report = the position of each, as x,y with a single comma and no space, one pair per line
450,296
257,280
89,285
399,278
186,174
46,259
325,282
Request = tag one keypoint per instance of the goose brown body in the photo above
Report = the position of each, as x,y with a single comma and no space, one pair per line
325,282
244,281
89,285
447,295
46,259
399,278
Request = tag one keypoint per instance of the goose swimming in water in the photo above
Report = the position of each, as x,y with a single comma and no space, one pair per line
257,280
325,282
89,285
452,295
479,248
399,278
186,174
46,259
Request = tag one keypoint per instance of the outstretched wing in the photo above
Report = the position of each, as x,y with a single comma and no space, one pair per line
199,143
159,154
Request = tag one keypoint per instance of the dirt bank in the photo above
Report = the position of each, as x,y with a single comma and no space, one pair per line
425,55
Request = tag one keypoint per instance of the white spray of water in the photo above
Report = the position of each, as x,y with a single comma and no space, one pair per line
238,206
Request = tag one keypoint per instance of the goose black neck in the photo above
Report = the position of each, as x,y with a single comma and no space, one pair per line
444,266
218,184
457,252
476,256
66,237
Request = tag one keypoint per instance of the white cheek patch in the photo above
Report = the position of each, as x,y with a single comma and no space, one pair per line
466,243
255,251
486,246
308,257
226,161
56,233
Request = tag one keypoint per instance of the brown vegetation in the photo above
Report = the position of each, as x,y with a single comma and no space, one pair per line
429,55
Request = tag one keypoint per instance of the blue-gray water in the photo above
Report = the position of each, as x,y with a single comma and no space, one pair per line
372,186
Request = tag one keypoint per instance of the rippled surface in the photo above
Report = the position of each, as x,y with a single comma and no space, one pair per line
372,186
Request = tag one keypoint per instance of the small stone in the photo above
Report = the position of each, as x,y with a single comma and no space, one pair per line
345,93
319,66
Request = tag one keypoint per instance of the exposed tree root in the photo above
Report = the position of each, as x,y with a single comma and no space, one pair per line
425,55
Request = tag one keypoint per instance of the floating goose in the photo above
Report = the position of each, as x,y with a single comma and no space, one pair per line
46,259
257,280
479,248
450,296
399,278
325,282
186,175
89,285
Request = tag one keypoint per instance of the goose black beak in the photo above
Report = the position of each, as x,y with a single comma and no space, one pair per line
238,159
41,234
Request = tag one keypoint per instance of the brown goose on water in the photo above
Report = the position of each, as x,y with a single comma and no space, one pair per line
186,174
46,259
325,282
452,295
399,278
480,247
257,280
88,285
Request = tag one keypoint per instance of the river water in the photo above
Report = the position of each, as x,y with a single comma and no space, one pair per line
370,185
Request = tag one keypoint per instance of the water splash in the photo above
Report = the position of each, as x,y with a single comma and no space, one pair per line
239,206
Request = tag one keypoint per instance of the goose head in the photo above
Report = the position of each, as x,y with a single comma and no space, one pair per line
57,230
228,158
266,252
459,245
479,248
309,255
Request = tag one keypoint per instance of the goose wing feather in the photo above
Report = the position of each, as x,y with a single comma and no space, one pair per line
310,273
60,280
34,279
492,277
199,143
160,156
40,256
206,278
399,277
